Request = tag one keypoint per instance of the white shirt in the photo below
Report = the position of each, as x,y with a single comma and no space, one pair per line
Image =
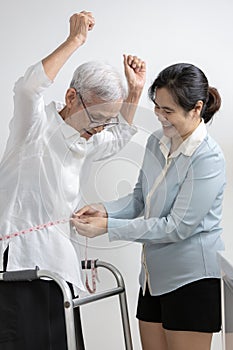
40,179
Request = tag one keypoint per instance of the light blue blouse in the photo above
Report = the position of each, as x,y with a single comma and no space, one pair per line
175,211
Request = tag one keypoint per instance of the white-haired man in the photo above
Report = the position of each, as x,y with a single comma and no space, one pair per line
40,172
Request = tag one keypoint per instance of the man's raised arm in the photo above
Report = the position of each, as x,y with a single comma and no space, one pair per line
135,72
80,24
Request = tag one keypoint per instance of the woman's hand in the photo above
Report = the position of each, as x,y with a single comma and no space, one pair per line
90,226
93,210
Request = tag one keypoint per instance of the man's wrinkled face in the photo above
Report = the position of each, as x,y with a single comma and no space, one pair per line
91,118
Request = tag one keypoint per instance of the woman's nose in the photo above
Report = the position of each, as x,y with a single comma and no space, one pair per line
160,116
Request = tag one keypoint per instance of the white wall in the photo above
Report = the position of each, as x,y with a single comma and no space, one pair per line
162,32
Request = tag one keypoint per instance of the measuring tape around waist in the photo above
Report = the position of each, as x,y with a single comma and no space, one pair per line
40,227
33,228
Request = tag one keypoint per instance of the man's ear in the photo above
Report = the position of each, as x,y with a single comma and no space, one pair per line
71,97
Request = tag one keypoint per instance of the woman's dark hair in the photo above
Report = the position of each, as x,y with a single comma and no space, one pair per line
188,84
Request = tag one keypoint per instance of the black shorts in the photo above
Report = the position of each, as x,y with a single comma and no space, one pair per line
195,307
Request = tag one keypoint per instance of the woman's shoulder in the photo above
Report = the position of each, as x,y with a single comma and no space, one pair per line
209,153
155,137
211,146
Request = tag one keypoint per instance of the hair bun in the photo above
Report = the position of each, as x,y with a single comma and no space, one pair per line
213,104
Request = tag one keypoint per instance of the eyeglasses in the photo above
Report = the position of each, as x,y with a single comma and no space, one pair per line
95,123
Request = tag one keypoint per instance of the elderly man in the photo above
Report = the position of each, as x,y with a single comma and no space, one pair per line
47,149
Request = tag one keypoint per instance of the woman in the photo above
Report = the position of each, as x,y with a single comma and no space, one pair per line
179,192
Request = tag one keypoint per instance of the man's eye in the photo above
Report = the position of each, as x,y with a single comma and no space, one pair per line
98,118
108,120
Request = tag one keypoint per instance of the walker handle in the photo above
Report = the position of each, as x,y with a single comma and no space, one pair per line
88,264
21,275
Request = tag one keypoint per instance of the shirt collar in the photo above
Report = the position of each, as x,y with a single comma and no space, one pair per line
72,137
187,147
67,130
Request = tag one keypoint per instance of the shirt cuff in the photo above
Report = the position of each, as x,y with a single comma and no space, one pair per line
45,80
115,227
111,208
123,122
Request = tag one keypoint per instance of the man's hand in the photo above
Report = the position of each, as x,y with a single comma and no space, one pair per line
80,24
90,226
135,72
94,210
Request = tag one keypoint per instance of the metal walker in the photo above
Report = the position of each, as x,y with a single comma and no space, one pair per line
70,303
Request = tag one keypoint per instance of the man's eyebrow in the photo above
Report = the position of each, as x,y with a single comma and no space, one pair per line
164,107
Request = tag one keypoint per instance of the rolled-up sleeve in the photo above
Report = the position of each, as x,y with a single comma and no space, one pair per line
110,141
28,100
